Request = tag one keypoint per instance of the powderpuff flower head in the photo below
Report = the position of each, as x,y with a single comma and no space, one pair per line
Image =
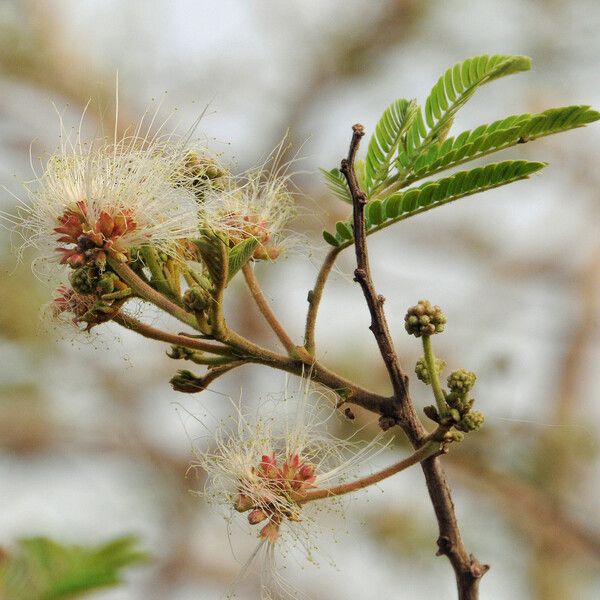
101,196
257,204
263,464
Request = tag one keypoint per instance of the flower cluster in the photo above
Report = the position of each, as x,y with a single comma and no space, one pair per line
109,197
424,319
265,465
253,205
145,200
269,492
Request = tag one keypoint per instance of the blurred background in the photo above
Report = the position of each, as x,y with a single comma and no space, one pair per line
94,443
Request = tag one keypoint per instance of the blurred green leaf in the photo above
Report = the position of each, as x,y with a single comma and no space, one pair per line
42,569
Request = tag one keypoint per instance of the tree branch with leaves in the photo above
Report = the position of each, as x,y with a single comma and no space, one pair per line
164,224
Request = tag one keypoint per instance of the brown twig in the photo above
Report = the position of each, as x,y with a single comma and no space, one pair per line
362,274
266,311
241,349
314,299
426,451
468,570
170,338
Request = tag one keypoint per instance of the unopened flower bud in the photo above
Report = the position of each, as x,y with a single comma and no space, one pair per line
187,382
179,353
424,319
197,298
107,282
256,516
270,532
432,413
455,414
307,472
268,466
242,503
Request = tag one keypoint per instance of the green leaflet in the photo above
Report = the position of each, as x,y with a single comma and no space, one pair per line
41,569
240,254
501,134
452,90
399,206
423,148
336,183
386,138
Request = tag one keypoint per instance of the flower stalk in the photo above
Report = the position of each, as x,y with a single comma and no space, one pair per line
430,361
426,451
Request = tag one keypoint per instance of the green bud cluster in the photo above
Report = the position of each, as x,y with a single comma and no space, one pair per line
459,402
454,436
423,373
460,413
89,280
84,280
472,421
424,319
199,173
107,282
461,381
197,298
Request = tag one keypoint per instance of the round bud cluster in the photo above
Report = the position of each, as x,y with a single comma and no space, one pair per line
454,436
84,280
461,381
198,172
423,319
422,371
472,421
196,298
107,282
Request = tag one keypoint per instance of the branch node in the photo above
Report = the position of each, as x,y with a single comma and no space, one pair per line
358,129
477,569
386,422
445,546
